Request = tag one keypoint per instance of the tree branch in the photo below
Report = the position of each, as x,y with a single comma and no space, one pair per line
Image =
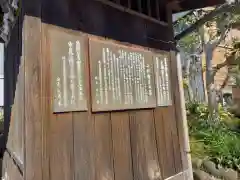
225,32
225,82
221,38
223,8
219,66
183,17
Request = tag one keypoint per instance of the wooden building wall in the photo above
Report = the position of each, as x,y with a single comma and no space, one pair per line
131,144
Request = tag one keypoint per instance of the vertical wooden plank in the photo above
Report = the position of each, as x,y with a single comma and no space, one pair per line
45,103
21,115
121,146
144,151
61,147
176,143
16,131
84,167
170,118
22,87
161,143
172,146
15,122
179,103
168,141
103,147
9,169
59,130
33,134
83,127
17,138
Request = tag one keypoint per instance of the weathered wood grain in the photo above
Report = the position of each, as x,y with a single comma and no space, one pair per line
124,145
45,102
161,143
103,147
121,146
84,139
33,117
61,147
84,146
9,169
180,112
144,151
175,139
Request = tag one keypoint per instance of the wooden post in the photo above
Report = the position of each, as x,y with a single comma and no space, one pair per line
182,119
33,119
179,103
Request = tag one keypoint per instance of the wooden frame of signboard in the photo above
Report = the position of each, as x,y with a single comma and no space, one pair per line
123,143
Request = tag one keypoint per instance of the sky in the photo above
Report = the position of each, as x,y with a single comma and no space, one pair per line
178,15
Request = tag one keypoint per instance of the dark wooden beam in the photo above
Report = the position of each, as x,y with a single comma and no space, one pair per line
9,8
186,5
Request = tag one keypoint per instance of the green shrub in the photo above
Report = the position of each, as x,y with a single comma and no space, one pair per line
201,111
215,141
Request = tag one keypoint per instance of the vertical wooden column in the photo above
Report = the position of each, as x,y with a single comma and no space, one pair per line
179,102
35,88
180,109
33,110
46,112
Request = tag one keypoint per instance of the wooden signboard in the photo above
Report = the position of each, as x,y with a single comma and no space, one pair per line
162,79
67,53
121,77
